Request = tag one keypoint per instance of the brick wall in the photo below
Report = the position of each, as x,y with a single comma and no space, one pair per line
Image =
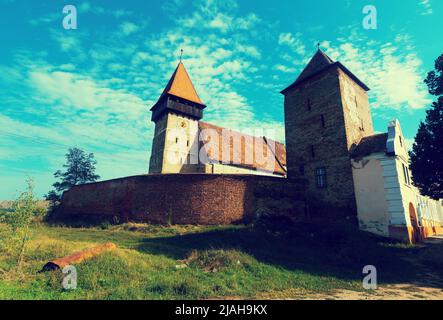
175,198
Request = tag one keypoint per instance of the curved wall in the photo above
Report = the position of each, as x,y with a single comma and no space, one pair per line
167,198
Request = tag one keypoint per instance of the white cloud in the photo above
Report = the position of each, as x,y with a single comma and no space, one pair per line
392,70
221,21
284,68
219,15
247,22
72,93
78,111
87,7
295,43
426,6
219,67
128,28
249,50
98,98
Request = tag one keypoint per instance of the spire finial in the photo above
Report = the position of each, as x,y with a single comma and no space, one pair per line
181,54
318,45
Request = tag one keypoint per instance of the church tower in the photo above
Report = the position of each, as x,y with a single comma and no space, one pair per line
176,115
326,115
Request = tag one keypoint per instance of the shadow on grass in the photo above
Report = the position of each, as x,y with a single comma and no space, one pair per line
339,252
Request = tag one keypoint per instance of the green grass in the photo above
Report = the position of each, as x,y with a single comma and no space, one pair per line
221,261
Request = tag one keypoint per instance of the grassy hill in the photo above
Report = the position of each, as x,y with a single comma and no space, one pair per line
191,262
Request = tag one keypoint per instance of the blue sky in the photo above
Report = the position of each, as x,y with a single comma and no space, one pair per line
92,87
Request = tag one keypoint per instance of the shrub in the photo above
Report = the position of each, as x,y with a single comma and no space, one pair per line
216,260
18,221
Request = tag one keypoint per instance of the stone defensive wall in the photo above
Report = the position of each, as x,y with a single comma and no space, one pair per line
204,199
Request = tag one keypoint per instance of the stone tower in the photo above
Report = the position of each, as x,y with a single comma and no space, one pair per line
176,115
326,114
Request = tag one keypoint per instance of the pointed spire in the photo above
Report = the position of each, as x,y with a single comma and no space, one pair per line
180,85
319,61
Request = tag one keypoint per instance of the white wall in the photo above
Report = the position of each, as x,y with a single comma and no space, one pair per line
384,192
425,207
372,205
181,145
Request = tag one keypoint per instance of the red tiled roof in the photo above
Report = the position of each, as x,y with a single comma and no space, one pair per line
246,151
180,85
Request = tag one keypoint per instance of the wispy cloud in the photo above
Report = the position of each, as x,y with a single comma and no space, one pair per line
92,87
128,27
78,111
284,68
426,7
294,42
219,66
392,70
84,8
98,98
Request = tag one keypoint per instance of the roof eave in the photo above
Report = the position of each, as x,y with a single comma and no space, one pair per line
165,96
338,64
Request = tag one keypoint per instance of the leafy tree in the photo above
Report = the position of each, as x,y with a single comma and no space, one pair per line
435,78
426,155
17,232
79,169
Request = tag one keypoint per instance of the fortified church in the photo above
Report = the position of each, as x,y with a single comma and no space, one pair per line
200,173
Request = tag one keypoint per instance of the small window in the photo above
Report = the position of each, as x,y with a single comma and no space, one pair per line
406,174
320,177
187,143
176,140
312,151
401,140
355,100
323,123
309,105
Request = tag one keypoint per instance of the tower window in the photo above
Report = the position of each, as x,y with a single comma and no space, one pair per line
320,177
401,141
176,140
302,169
355,100
187,143
309,105
312,151
323,123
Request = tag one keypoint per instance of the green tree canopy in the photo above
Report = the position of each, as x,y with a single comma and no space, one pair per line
79,169
426,155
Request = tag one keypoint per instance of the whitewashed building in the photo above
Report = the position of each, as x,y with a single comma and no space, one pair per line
387,202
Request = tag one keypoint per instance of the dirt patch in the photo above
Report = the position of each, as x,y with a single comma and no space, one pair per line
390,292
